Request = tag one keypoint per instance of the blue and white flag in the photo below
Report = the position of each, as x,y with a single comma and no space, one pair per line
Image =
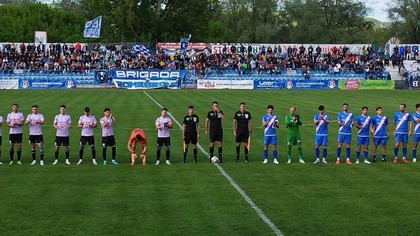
184,43
142,49
93,28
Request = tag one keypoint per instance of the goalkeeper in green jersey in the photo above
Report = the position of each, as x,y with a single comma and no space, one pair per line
293,123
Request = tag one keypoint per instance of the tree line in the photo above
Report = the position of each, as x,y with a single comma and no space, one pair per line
247,21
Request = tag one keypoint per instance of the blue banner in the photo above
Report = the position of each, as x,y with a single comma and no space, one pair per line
295,84
147,79
47,83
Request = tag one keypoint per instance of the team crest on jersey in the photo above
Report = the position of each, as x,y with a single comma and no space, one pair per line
212,114
195,119
246,116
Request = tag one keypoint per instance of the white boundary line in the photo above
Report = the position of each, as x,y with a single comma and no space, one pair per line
232,182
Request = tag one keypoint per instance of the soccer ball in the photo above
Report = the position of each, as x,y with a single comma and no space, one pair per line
214,159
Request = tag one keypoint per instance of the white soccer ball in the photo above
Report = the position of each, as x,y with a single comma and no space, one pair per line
214,159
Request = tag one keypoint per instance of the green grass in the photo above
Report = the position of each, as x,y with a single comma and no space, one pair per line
196,199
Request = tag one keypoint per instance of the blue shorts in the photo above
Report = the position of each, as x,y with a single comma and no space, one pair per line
344,138
362,140
416,138
321,140
270,140
402,138
379,141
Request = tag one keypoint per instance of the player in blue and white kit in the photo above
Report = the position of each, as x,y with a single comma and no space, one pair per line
321,121
416,133
345,121
402,129
363,123
270,122
379,129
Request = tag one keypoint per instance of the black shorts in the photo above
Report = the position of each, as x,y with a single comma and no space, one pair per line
36,139
216,135
164,141
190,138
15,138
87,139
108,141
65,141
242,136
0,140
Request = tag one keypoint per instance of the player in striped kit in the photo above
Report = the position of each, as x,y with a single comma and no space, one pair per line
108,139
270,122
321,121
1,123
87,122
363,124
62,123
416,133
345,121
402,129
15,120
35,121
379,129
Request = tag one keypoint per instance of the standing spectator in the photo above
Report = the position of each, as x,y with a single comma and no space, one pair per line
15,120
163,124
402,129
137,135
321,121
363,124
379,129
190,132
242,129
35,120
108,139
62,123
345,121
87,122
270,122
214,120
416,133
293,123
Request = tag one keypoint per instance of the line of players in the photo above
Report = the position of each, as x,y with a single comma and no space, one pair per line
376,126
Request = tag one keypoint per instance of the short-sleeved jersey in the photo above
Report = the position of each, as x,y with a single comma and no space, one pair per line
86,121
416,119
242,119
379,124
63,123
270,127
347,118
132,140
321,128
15,118
107,130
401,121
190,123
292,127
363,121
34,128
163,132
215,120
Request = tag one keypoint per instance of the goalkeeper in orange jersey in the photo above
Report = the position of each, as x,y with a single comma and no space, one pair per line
137,135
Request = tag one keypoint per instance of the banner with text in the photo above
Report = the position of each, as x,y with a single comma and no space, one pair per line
353,84
294,84
225,84
47,83
9,83
147,79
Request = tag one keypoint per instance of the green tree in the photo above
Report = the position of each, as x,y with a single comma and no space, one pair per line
405,17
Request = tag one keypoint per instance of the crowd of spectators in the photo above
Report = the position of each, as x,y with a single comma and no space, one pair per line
82,58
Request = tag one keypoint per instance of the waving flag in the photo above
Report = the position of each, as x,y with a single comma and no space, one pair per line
142,49
93,28
184,43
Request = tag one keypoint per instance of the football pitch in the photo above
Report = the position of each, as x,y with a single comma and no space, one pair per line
201,198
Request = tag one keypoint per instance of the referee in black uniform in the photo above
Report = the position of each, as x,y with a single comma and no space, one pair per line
214,118
190,132
242,129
